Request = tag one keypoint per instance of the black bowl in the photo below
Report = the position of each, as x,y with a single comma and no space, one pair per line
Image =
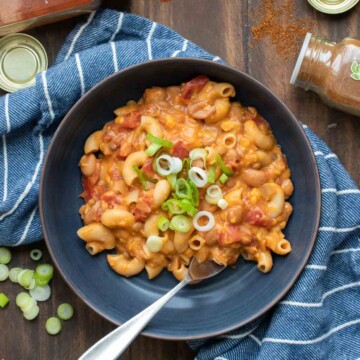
225,302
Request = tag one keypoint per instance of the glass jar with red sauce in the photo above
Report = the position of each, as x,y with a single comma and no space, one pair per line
332,70
18,15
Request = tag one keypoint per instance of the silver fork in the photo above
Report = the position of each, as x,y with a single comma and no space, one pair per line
115,343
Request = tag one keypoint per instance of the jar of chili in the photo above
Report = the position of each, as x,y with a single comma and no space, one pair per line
18,15
332,70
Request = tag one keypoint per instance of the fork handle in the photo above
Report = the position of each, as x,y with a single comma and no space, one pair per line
114,344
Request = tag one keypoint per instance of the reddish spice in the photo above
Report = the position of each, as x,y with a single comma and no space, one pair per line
277,22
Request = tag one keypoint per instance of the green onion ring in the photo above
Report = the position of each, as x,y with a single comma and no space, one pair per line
65,311
180,223
36,254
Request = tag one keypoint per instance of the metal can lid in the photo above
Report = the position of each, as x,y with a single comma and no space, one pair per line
333,6
21,58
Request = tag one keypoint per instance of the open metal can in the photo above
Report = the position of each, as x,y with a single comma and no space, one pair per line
21,58
333,6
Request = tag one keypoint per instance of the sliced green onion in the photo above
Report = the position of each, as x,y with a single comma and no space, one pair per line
223,178
180,223
148,178
172,180
44,272
177,165
155,243
4,300
32,284
140,174
210,221
158,141
25,278
189,207
4,272
65,311
211,174
177,207
183,189
186,164
163,223
198,176
31,313
29,305
213,194
22,300
14,274
226,170
153,149
195,193
174,206
36,254
5,255
40,282
41,293
53,325
222,204
164,165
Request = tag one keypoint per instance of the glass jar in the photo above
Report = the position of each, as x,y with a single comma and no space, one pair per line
18,15
332,70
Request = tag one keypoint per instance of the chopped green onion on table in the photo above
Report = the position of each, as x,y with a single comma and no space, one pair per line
44,272
53,325
41,293
36,254
4,300
4,272
65,311
14,274
5,255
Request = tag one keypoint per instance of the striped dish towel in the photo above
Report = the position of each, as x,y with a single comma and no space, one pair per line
323,323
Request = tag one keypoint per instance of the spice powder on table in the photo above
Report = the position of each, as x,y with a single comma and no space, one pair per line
278,23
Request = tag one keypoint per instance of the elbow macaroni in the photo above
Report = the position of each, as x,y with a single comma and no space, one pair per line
119,213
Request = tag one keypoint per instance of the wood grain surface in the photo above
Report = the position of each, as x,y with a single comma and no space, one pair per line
223,27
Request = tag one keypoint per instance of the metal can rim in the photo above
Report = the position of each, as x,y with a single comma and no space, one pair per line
333,9
39,50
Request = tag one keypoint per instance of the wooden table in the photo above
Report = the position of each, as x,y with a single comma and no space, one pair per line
223,28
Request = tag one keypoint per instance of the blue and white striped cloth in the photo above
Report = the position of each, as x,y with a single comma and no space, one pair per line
318,319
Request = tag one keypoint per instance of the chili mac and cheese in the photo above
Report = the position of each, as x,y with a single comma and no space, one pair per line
182,173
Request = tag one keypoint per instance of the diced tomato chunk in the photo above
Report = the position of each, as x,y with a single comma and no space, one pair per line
132,120
88,189
147,168
180,151
194,85
143,206
255,216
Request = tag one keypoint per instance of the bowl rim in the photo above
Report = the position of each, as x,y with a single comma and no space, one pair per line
317,203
